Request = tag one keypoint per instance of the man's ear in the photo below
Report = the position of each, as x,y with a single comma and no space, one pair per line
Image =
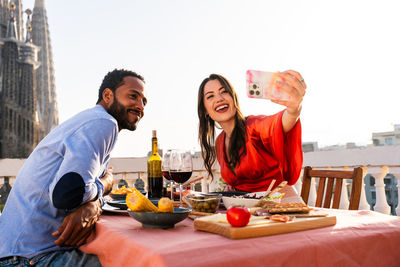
108,96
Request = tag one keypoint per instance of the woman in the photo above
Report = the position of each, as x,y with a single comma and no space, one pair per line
251,151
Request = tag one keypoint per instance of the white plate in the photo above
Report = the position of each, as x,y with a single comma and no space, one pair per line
246,202
109,208
233,201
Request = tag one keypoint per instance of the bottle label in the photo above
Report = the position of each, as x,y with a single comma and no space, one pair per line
154,169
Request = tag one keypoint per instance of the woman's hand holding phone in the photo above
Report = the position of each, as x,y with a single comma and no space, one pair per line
284,88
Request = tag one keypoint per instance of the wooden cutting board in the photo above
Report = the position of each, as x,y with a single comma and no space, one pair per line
259,227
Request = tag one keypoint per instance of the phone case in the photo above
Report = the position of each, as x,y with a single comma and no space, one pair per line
262,84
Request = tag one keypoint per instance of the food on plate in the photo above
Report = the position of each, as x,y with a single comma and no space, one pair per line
274,207
165,205
239,202
123,190
249,200
138,202
238,216
204,203
260,195
280,218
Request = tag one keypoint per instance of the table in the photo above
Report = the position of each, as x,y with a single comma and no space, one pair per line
360,238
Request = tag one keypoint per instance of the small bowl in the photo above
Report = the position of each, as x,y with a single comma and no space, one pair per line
233,201
245,202
204,203
163,220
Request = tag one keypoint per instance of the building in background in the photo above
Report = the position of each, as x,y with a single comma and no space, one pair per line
387,138
309,146
28,107
45,81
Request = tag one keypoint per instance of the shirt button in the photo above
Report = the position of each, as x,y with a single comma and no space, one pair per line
31,263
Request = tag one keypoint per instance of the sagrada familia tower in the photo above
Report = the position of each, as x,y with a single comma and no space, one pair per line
28,107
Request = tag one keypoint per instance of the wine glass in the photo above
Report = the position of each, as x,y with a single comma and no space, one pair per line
165,170
180,168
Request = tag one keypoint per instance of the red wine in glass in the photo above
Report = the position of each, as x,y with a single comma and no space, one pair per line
166,175
180,168
180,177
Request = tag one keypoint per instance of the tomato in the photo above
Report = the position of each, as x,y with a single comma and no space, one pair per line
238,216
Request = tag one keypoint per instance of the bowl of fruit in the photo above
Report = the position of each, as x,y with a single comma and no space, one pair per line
154,214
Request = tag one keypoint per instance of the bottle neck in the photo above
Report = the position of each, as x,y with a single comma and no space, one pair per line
154,145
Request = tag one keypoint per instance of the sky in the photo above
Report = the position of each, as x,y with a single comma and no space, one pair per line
348,52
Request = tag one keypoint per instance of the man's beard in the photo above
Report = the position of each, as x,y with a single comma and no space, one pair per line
120,113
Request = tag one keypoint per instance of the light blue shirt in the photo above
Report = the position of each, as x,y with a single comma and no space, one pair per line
82,144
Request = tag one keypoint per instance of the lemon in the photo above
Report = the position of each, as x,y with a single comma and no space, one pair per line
165,205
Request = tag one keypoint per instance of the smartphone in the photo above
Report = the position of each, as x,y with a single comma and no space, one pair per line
262,84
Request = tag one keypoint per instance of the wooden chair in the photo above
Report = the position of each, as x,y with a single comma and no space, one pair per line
331,176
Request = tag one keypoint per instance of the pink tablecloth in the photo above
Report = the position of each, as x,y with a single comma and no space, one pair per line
360,238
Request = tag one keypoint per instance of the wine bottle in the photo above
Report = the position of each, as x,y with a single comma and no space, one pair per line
154,175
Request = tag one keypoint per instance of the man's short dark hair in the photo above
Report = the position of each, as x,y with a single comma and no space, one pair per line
115,79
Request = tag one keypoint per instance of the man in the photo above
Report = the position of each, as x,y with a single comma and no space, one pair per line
57,196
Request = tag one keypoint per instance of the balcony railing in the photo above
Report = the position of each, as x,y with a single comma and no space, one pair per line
376,162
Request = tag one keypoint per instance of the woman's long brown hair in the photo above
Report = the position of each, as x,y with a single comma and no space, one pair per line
237,142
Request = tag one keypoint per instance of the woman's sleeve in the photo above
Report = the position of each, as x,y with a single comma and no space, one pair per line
285,147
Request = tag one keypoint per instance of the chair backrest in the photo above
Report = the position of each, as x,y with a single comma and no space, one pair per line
333,177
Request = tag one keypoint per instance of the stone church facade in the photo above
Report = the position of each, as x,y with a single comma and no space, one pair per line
28,107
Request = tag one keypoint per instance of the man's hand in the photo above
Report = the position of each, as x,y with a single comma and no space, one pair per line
78,226
108,180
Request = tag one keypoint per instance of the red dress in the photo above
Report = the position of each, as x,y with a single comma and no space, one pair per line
271,154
